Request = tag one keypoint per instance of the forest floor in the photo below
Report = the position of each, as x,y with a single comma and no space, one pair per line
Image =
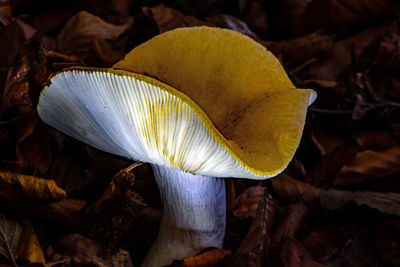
63,203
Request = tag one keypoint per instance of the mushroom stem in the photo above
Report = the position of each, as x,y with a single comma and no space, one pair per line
193,215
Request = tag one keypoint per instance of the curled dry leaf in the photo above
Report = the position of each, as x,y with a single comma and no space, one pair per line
345,52
289,190
369,165
312,46
247,202
384,202
168,18
10,236
120,184
79,33
29,248
206,259
230,22
19,188
25,75
256,244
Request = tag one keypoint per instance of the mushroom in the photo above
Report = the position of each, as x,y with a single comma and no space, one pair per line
198,104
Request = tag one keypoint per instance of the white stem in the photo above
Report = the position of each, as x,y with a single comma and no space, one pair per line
193,215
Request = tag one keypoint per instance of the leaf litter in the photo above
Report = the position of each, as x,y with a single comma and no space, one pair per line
63,203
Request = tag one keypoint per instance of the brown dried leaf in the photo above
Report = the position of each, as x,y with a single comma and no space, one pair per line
120,184
254,15
369,165
230,22
327,167
384,202
81,250
285,250
207,259
10,236
168,18
289,190
354,254
341,15
325,240
29,248
312,46
375,139
25,76
19,188
345,52
5,13
33,146
256,244
388,243
64,212
83,29
293,254
247,202
112,11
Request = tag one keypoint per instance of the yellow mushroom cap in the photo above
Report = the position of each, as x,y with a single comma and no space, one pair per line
219,104
238,83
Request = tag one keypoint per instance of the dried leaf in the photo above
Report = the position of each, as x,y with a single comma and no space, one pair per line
64,212
81,251
207,259
120,184
289,190
375,140
24,78
314,45
5,13
327,239
29,248
369,165
19,188
354,254
256,244
292,253
285,249
255,15
113,11
33,145
121,258
384,202
388,243
345,53
247,202
168,18
10,235
341,15
83,29
327,167
230,22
